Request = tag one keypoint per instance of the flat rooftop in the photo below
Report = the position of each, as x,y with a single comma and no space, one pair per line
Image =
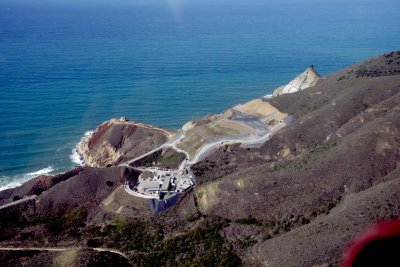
166,184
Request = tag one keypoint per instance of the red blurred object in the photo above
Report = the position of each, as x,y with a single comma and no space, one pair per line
378,246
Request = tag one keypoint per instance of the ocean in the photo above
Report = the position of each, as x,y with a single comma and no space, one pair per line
64,69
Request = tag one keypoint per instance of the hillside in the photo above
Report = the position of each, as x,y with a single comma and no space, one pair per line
76,257
119,140
297,199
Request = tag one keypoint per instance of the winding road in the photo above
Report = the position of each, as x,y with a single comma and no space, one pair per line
56,249
17,202
206,150
169,143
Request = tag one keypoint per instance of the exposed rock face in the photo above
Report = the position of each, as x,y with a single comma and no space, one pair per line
303,81
119,140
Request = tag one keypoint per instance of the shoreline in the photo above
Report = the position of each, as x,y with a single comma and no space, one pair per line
18,180
76,158
77,154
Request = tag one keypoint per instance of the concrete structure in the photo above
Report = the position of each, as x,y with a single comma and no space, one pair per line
149,186
166,184
184,183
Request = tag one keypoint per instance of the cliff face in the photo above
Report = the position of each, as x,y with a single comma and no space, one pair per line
304,80
119,140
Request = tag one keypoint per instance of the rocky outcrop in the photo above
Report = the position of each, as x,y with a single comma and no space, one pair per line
303,81
119,140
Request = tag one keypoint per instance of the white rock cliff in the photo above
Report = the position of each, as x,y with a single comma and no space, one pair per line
304,80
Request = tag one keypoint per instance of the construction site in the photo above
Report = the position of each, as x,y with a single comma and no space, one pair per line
250,124
254,119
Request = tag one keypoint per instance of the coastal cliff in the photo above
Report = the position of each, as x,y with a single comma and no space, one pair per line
306,79
119,140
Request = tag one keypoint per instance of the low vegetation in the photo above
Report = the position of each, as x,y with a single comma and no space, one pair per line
202,246
249,220
168,159
71,221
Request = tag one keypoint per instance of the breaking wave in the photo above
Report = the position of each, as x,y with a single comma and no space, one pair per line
7,182
76,155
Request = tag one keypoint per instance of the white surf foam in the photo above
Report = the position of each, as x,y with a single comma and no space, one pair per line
18,180
269,96
76,156
10,185
7,182
43,171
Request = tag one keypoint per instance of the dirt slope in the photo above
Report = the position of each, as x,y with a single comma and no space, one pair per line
117,141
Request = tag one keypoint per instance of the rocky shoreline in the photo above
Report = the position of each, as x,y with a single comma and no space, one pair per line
77,155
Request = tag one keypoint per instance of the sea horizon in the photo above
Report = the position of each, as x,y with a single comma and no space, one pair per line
65,70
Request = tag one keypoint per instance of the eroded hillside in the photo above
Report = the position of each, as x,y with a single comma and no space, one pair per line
119,140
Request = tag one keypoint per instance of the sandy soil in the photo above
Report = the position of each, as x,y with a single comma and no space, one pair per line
257,107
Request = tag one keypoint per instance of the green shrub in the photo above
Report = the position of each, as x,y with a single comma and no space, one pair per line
70,221
194,217
132,235
248,221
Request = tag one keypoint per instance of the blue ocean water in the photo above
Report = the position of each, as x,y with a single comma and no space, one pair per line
65,69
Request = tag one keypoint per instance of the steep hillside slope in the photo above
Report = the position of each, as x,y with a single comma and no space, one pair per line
119,140
323,240
343,143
